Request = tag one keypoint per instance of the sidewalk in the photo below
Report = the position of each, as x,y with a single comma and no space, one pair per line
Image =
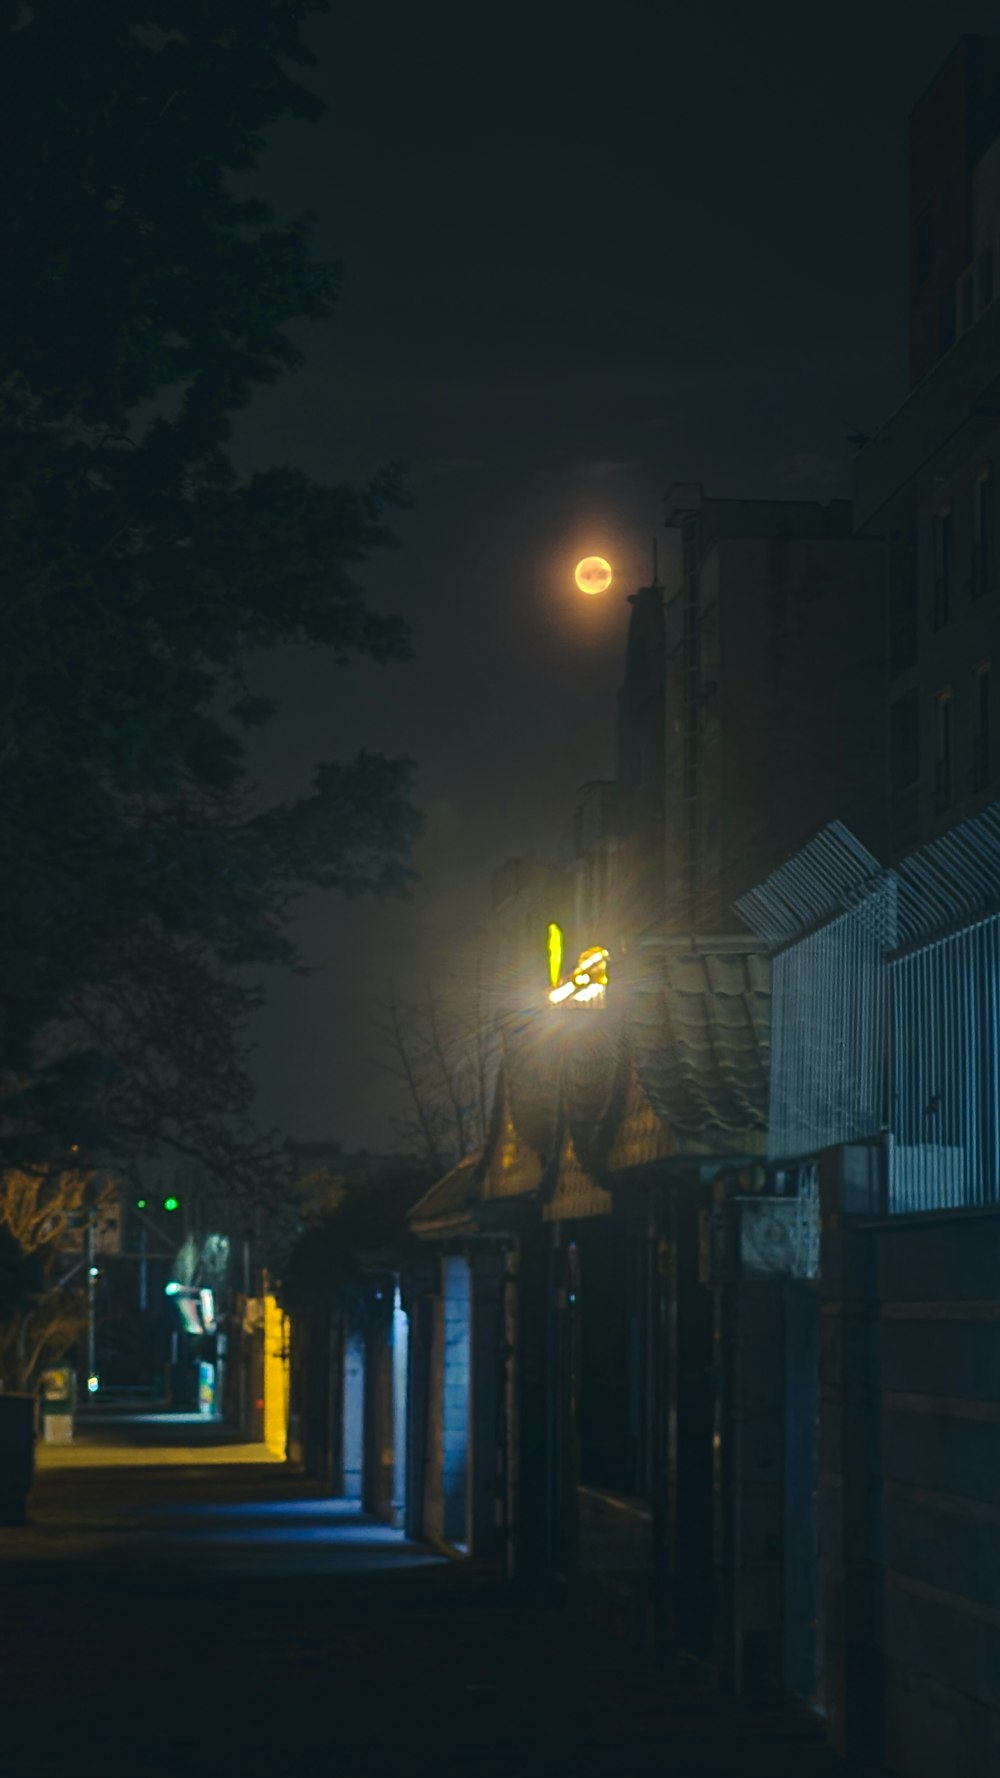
156,1438
196,1614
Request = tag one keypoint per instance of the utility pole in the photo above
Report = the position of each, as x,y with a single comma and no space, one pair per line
143,1268
91,1301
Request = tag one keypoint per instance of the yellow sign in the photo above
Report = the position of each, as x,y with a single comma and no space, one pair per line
588,981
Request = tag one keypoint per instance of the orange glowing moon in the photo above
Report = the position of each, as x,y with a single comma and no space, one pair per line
593,574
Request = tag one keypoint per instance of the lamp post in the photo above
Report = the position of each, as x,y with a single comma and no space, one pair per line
91,1304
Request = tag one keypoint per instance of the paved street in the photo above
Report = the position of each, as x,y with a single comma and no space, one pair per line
180,1605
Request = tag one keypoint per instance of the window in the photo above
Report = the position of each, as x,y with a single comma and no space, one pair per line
904,728
903,638
966,304
942,751
904,753
943,552
946,320
983,552
922,249
986,283
981,762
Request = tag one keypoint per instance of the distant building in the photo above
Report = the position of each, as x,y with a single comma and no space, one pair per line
774,694
642,762
928,480
954,201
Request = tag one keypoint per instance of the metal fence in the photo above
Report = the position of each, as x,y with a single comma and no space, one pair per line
827,1040
886,1023
945,1072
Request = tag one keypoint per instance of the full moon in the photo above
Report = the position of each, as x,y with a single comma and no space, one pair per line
593,574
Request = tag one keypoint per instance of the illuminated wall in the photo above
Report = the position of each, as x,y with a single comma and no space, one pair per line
275,1379
353,1432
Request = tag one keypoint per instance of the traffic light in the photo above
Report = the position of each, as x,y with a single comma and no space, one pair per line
171,1203
140,1203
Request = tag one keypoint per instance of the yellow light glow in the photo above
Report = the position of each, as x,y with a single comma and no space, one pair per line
591,992
555,948
591,959
588,980
593,575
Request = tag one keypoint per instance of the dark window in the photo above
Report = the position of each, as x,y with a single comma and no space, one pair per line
942,751
981,762
986,285
903,638
943,553
904,742
983,552
612,1318
922,249
946,320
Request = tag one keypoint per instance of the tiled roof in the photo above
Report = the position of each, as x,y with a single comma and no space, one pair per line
450,1197
699,1030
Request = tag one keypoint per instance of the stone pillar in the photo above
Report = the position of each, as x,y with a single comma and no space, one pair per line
532,1403
849,1472
455,1400
484,1404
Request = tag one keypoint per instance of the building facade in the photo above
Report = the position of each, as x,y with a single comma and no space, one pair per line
774,697
953,208
928,482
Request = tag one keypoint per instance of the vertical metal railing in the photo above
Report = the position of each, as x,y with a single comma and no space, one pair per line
827,1069
886,1008
945,1069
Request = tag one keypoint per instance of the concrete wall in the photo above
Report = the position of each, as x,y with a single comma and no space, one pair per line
910,1493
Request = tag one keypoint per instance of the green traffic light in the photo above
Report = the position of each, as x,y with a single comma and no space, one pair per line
140,1203
171,1204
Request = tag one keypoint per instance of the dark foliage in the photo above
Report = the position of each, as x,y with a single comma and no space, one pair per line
21,1276
143,303
367,1226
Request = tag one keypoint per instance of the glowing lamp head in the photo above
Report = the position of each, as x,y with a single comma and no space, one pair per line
555,950
588,981
593,575
93,1384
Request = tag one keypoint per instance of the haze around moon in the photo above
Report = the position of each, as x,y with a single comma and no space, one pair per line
593,575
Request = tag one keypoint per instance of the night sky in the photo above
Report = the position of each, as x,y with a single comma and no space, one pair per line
586,254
